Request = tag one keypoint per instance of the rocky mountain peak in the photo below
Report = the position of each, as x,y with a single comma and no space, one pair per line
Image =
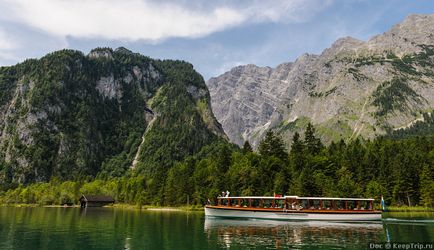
405,37
344,44
354,88
97,53
415,27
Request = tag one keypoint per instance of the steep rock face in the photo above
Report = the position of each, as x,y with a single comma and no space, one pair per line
73,116
353,88
253,99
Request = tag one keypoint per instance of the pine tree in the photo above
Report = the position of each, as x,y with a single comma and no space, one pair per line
247,148
296,154
297,145
273,145
313,144
427,186
306,182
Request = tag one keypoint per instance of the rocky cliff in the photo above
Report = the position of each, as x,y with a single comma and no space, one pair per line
354,88
74,116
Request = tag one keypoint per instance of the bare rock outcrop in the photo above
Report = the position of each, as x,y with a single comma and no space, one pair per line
354,88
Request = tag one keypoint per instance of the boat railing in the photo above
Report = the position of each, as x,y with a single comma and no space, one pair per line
293,203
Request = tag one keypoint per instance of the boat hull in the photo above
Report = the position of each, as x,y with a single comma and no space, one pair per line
293,215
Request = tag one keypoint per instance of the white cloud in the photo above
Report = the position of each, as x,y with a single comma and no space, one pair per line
153,21
6,42
287,11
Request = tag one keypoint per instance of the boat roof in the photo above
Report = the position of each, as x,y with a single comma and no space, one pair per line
253,197
297,198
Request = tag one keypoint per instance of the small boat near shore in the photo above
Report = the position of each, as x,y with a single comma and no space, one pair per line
294,208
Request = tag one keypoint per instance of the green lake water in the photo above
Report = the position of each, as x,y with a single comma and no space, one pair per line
114,228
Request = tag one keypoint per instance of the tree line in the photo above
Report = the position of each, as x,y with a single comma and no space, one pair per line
401,170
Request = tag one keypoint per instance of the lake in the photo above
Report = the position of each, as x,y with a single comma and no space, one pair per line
115,228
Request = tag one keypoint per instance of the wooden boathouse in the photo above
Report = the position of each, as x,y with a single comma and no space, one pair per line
95,200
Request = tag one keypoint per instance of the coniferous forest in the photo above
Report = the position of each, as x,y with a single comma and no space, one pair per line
399,167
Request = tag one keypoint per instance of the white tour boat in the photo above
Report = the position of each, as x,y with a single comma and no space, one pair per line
294,208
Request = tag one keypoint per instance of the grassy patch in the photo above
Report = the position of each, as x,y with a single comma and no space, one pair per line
299,123
159,208
334,130
410,209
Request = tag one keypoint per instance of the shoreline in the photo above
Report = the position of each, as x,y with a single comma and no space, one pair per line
116,205
409,209
193,208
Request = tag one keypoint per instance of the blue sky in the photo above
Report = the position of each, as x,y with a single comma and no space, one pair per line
213,35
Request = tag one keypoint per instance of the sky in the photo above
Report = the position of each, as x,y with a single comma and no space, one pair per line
213,35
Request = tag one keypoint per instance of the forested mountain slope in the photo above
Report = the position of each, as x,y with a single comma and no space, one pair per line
74,116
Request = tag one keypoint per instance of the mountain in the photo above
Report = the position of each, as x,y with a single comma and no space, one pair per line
74,116
354,88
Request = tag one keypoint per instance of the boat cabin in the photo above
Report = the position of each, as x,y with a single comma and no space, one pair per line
296,203
294,208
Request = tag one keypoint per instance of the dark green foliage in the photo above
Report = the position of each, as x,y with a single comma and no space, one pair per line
370,60
297,158
179,127
419,128
427,184
399,170
80,132
247,148
272,145
407,65
313,144
297,145
322,94
357,75
7,84
393,95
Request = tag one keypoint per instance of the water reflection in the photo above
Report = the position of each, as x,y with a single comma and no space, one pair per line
284,234
110,228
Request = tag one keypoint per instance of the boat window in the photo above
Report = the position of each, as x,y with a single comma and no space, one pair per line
279,204
314,204
351,205
255,203
304,204
327,205
244,202
267,203
340,205
364,205
234,202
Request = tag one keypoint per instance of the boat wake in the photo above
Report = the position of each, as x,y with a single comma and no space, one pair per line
407,221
